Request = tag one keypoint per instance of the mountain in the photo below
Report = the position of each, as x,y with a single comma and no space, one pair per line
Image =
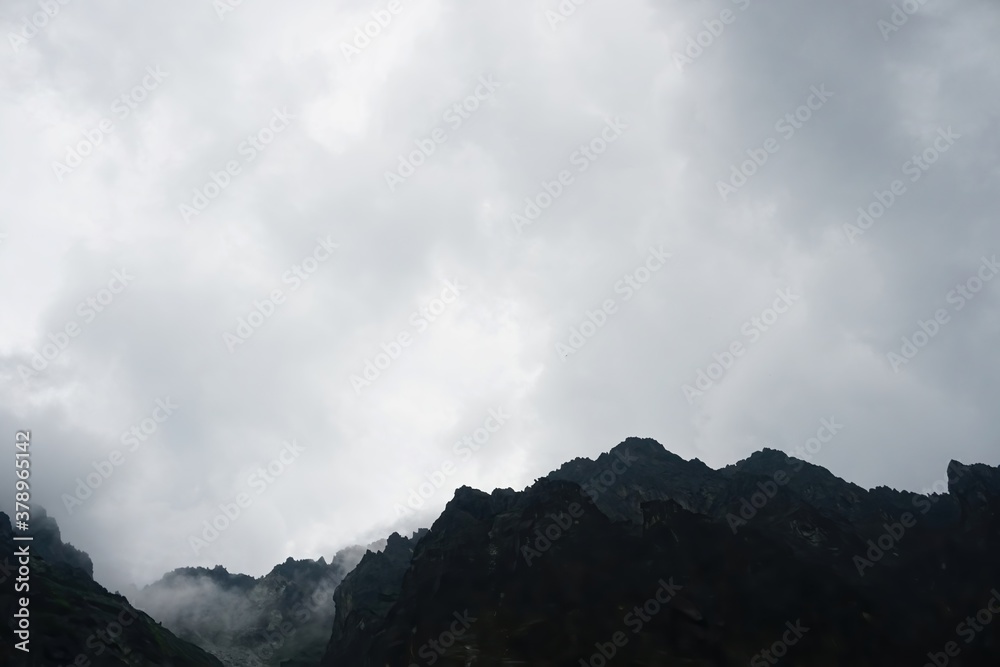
280,619
366,595
644,558
73,619
47,543
639,557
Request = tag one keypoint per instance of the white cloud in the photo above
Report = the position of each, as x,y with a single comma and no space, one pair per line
495,346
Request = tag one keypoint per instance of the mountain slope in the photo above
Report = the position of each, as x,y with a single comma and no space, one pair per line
648,559
74,620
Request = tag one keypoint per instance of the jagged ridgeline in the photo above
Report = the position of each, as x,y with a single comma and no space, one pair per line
637,558
283,618
643,558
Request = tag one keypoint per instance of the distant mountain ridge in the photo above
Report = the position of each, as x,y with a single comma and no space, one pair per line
282,618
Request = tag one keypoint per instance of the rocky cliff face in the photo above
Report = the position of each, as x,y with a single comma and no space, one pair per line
643,558
365,597
74,620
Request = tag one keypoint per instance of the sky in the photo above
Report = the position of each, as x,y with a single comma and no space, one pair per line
278,279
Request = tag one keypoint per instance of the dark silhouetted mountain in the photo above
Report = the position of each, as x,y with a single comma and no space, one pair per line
643,558
73,619
366,595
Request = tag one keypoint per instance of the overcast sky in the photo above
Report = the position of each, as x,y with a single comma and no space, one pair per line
243,150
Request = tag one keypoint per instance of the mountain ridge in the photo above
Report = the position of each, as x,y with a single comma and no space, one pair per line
770,525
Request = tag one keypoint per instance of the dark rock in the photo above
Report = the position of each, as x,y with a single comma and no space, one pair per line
767,548
74,620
